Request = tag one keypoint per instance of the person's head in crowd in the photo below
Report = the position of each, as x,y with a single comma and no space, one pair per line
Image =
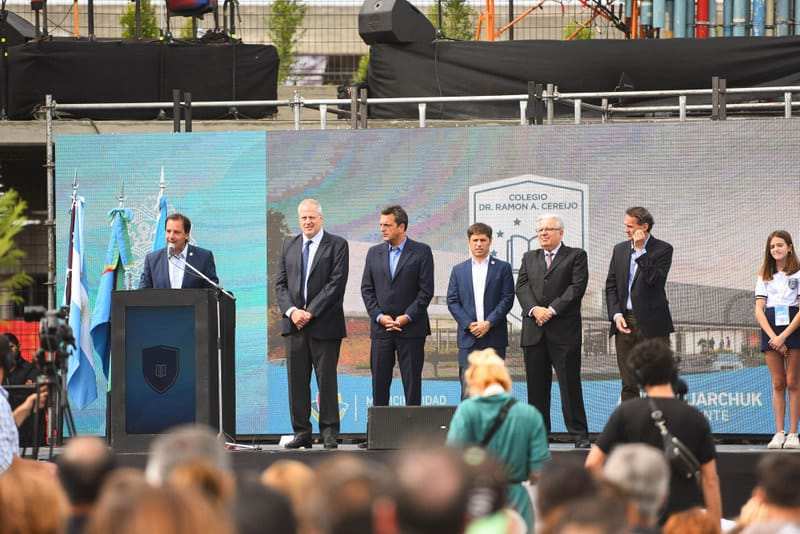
591,515
653,363
258,508
82,469
13,345
296,481
119,490
692,521
157,510
561,482
641,471
31,500
7,360
432,488
488,483
184,444
776,488
346,494
486,369
216,485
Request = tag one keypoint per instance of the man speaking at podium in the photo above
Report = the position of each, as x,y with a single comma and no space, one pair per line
165,268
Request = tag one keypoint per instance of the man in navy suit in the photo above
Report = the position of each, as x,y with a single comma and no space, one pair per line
397,287
635,292
166,268
310,288
479,296
550,286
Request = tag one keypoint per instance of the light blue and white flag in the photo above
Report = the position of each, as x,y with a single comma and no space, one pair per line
81,376
160,239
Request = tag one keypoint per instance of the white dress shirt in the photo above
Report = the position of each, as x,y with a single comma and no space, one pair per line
177,267
552,259
480,269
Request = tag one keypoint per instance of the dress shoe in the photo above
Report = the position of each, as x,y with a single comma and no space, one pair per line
583,443
363,445
330,443
299,442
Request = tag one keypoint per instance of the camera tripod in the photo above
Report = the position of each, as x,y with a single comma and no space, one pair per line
53,382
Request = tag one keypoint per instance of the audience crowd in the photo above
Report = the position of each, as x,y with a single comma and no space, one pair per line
474,485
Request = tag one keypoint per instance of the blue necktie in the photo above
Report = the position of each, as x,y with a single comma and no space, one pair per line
394,253
305,267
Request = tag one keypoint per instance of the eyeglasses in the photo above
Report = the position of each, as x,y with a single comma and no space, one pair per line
543,230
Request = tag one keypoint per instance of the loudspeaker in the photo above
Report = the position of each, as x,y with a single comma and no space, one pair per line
15,29
392,427
393,21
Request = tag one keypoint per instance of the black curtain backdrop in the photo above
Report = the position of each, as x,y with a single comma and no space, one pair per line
451,68
119,71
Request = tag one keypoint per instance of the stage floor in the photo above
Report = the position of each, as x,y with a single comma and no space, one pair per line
735,463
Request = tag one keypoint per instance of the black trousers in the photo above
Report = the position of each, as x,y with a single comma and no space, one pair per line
540,361
624,343
410,355
463,355
304,353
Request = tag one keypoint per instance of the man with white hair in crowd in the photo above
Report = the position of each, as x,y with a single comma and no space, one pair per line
182,445
642,473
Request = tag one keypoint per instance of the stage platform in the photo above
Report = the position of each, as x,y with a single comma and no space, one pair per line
736,464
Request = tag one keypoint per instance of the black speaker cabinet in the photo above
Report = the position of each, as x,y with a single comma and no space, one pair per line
393,427
16,29
393,21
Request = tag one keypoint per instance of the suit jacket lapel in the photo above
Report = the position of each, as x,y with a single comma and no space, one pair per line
383,257
470,304
408,250
188,274
162,268
556,260
323,244
627,255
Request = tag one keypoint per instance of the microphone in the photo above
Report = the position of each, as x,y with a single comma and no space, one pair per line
171,250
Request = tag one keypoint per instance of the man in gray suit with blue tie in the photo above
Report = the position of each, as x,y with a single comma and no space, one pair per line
479,296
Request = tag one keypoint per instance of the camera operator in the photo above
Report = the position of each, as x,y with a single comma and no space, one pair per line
10,420
22,373
632,422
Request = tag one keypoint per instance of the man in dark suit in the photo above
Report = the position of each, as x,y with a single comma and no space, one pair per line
166,268
310,287
635,295
479,296
397,287
550,287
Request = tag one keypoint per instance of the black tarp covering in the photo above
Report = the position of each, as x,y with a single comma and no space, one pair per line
119,71
449,68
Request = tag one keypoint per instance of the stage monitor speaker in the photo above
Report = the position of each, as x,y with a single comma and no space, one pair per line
393,21
16,29
393,427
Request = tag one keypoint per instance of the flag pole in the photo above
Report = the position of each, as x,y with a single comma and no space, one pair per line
68,287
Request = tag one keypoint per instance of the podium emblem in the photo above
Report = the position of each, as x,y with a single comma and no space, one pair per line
160,367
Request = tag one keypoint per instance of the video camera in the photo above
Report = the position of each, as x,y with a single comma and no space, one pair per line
55,337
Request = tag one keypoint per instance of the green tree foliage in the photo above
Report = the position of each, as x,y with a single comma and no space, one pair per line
150,29
457,19
186,30
584,33
284,21
12,217
360,75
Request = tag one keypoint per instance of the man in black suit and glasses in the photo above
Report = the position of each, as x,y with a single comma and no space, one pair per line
635,295
310,288
397,287
550,286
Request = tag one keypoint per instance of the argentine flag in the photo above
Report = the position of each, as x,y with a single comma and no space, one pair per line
161,205
81,378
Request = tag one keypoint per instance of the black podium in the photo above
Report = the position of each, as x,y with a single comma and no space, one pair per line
164,363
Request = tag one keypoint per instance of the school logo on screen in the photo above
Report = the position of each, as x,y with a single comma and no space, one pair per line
160,367
511,206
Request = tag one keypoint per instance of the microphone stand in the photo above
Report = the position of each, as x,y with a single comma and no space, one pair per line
219,292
